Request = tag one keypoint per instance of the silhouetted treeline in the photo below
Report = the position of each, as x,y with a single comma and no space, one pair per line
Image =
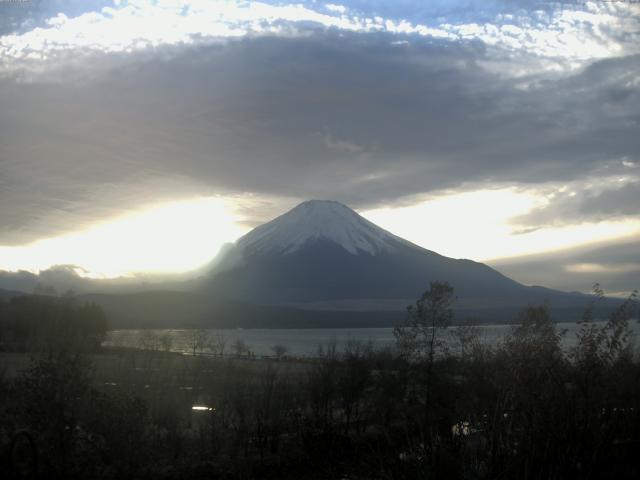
525,408
37,322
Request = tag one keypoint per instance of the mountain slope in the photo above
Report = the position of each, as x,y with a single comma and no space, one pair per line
322,251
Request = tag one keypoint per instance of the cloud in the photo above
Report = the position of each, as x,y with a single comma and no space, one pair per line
330,115
612,203
591,201
336,8
60,279
342,145
613,264
557,37
602,268
108,110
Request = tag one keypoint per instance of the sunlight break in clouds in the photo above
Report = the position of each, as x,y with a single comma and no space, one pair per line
254,116
172,237
569,35
475,225
602,268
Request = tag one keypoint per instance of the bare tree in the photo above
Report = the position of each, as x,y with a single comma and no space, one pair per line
198,340
148,340
420,338
218,344
279,351
353,380
467,337
239,347
166,342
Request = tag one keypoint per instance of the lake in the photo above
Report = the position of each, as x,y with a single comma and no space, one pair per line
300,342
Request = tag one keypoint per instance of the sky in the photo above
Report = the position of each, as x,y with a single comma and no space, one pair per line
140,136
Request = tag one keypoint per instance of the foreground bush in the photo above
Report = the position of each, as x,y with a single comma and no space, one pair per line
525,408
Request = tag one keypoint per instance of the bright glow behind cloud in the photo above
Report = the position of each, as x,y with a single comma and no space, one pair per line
169,238
182,236
476,225
243,120
568,35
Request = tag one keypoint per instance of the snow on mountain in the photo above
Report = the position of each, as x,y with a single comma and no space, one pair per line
320,220
322,254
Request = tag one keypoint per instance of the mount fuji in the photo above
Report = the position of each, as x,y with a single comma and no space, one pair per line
322,255
321,265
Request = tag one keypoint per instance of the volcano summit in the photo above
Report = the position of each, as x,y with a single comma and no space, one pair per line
323,255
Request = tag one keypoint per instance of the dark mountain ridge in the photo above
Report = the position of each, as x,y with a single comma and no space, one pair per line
296,260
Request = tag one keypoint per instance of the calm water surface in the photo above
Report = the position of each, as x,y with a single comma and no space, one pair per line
302,342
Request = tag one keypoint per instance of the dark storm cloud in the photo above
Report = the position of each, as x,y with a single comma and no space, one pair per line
616,266
623,201
346,116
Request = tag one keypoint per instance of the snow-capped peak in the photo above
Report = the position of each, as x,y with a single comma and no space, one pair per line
319,219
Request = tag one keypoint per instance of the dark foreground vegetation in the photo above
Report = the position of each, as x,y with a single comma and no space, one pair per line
35,323
524,409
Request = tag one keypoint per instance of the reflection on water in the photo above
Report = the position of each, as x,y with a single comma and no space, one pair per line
297,342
